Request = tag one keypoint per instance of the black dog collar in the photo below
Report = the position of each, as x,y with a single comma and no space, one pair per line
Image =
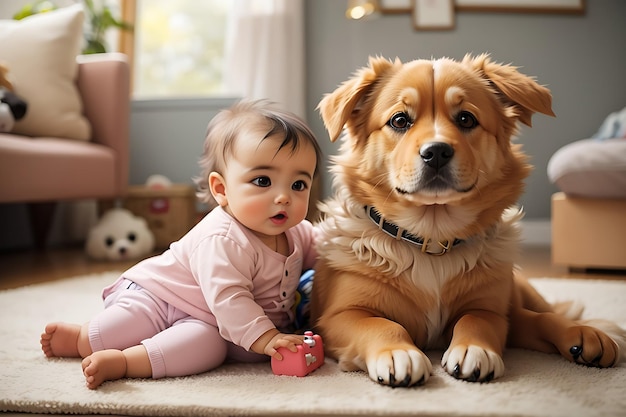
432,247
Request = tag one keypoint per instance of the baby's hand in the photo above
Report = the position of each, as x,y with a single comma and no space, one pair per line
273,339
288,341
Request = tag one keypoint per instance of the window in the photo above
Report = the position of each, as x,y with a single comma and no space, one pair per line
179,47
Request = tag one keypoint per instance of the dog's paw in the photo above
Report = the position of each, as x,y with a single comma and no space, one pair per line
472,363
589,346
400,367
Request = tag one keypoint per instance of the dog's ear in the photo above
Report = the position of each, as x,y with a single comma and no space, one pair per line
518,90
337,107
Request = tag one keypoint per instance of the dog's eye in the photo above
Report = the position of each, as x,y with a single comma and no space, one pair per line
400,121
466,120
109,241
132,236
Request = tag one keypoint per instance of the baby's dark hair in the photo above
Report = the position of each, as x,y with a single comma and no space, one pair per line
253,121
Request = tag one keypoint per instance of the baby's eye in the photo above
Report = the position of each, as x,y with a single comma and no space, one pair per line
262,181
299,186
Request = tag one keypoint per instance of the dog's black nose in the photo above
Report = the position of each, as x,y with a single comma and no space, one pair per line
436,154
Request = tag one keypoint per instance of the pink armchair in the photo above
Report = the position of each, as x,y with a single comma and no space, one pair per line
43,170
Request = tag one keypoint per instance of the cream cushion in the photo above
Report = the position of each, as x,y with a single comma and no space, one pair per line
40,52
590,168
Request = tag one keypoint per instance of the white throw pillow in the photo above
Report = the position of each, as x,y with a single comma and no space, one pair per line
590,168
40,52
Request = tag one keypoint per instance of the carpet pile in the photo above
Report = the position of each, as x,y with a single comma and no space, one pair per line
534,384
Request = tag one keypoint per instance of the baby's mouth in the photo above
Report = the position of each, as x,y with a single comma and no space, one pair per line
279,218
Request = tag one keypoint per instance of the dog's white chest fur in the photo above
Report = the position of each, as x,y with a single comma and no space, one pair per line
350,241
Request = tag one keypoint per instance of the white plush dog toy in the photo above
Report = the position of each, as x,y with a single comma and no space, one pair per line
119,235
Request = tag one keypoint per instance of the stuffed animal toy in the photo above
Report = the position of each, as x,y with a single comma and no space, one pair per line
119,235
12,107
158,182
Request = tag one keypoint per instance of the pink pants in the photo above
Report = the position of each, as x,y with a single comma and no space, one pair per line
177,344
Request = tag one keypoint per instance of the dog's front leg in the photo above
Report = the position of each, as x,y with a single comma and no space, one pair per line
475,352
383,348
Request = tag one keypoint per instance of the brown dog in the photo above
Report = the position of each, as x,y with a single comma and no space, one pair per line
418,246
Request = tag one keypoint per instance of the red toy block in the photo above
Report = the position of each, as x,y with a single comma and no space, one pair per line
309,357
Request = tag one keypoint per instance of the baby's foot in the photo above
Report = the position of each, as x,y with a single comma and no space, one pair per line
60,340
104,365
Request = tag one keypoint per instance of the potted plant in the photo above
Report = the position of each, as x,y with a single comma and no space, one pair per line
101,19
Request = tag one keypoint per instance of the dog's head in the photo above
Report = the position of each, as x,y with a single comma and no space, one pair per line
433,135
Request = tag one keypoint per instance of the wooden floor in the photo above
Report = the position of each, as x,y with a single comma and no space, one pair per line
19,268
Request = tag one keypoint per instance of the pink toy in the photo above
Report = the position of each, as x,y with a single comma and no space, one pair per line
309,357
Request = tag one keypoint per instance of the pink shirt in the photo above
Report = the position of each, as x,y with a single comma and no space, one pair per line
221,273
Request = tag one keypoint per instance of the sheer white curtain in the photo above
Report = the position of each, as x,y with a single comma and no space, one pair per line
264,53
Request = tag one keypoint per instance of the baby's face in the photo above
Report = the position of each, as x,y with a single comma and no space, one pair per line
268,191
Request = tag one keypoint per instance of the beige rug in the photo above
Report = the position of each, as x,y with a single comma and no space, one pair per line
535,384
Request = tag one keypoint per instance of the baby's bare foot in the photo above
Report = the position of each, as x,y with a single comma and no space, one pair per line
60,340
104,365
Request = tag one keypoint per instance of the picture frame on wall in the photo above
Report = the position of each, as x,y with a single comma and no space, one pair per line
440,14
523,6
433,14
395,6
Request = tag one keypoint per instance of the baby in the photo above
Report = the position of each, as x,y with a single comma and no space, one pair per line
226,289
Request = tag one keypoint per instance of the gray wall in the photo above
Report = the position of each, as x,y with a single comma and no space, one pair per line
167,136
582,59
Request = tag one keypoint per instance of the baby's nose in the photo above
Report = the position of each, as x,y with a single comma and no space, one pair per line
283,198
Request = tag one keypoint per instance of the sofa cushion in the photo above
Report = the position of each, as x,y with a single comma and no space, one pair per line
53,169
590,168
40,52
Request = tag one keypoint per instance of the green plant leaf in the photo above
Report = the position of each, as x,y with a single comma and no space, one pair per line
30,9
94,47
101,20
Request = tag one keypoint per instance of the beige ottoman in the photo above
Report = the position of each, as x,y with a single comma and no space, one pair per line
589,215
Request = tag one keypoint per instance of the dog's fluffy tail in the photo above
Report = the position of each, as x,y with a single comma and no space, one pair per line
572,310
